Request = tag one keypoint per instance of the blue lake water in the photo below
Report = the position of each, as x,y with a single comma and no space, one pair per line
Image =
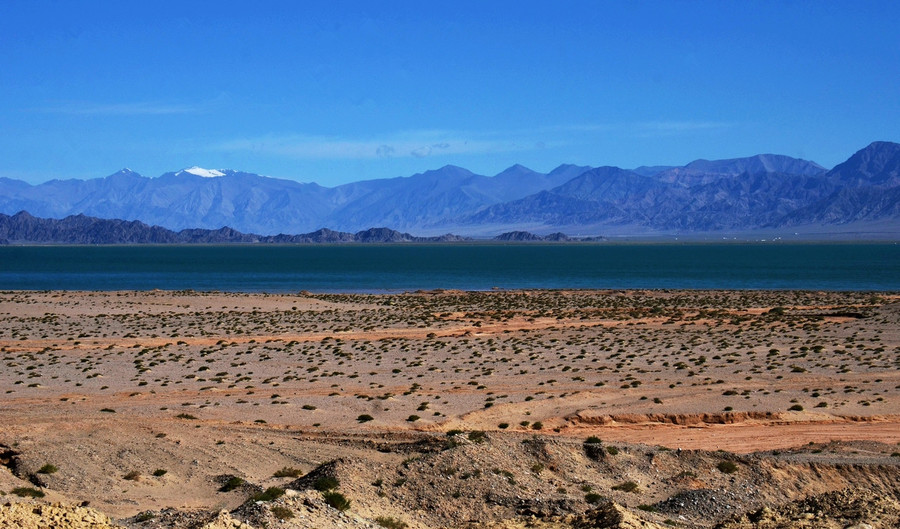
400,267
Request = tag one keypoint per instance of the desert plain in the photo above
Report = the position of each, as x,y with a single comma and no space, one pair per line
557,409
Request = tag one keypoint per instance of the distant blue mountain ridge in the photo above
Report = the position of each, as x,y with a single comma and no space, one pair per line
757,193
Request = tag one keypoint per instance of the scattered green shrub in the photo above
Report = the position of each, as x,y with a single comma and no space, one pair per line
159,472
593,448
727,467
592,497
477,436
281,512
48,469
365,417
288,472
390,523
628,486
336,500
326,483
27,492
271,493
232,483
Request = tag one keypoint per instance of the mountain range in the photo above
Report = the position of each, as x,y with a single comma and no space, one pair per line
762,193
24,228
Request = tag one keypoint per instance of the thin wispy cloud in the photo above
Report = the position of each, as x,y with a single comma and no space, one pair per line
142,108
426,143
673,128
419,144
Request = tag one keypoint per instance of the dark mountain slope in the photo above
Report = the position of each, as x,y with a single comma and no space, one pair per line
23,228
848,205
877,165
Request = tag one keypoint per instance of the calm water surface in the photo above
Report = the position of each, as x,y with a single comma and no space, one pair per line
367,268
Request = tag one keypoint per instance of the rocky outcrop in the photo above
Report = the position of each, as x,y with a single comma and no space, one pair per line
850,509
57,516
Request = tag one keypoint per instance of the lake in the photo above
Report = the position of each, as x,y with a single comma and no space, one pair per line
476,266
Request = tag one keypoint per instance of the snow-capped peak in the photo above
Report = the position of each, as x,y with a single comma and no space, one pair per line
199,171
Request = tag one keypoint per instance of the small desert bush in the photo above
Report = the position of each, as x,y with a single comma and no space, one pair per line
159,472
336,500
271,493
593,448
477,436
365,417
390,523
288,472
27,492
48,469
727,467
628,486
326,483
232,483
282,513
592,497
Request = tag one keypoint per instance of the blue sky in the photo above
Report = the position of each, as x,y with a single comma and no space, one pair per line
333,92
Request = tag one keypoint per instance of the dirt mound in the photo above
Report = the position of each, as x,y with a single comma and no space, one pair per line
857,509
57,516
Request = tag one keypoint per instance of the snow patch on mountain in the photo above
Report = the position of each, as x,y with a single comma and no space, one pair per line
199,171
